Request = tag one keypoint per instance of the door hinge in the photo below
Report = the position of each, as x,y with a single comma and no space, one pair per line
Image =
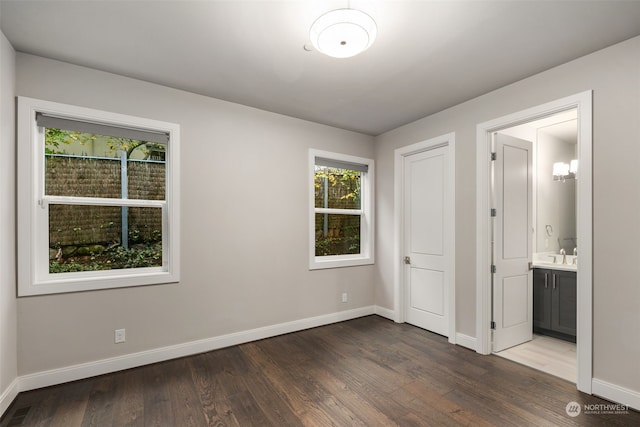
494,212
493,324
493,268
494,155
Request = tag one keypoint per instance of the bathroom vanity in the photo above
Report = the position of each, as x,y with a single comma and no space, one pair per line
554,301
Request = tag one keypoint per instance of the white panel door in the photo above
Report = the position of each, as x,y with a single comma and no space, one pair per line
426,222
512,281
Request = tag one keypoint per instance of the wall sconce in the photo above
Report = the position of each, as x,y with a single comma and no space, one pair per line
563,171
573,167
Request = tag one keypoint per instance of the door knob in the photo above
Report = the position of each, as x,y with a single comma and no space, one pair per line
407,260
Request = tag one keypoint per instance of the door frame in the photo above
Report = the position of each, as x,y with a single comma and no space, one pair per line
447,140
583,103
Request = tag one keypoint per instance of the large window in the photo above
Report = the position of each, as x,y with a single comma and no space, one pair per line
341,217
98,203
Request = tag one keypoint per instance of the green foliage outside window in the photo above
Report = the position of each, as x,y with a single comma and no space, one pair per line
103,251
336,188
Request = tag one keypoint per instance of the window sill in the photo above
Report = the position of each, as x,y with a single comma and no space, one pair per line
339,261
72,282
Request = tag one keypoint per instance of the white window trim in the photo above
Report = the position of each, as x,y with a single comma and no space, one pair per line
33,230
367,249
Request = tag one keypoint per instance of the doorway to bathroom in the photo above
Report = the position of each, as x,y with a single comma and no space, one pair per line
520,226
534,309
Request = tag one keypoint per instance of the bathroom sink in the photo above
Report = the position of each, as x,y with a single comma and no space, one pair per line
546,260
555,266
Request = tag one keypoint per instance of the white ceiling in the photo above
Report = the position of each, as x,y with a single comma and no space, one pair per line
429,55
565,131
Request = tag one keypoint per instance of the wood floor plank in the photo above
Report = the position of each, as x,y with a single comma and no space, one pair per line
158,408
440,410
215,406
275,410
184,398
71,406
102,398
128,409
363,372
349,373
289,382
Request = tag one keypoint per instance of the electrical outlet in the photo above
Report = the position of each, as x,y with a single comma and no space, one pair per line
120,336
345,297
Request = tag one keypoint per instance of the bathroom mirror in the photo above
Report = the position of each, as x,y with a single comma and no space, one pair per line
556,195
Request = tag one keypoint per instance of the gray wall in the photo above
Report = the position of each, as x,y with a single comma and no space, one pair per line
614,76
244,248
8,319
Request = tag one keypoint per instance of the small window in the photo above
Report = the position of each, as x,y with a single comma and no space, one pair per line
98,206
341,218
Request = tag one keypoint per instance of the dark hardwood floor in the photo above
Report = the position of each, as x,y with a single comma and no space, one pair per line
367,372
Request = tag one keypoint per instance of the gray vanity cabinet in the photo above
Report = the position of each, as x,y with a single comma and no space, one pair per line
554,303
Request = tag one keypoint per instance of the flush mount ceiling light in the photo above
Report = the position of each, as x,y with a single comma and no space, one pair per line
343,33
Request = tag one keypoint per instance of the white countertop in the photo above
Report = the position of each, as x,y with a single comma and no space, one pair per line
545,260
552,266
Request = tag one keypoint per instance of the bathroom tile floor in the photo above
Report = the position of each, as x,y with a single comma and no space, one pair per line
547,354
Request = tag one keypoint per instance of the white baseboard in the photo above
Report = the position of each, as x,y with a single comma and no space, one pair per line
466,341
7,396
114,364
385,312
615,393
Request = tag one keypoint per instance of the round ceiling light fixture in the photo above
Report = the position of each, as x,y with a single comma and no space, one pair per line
343,33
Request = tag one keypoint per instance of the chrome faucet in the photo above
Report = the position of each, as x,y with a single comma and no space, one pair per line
575,256
564,255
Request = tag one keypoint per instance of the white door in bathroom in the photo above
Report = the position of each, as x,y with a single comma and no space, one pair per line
512,233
